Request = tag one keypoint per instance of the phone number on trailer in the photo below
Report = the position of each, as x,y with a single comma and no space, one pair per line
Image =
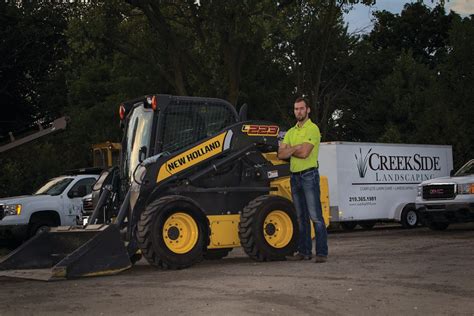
362,198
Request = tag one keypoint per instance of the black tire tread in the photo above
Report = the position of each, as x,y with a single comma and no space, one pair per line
246,237
144,233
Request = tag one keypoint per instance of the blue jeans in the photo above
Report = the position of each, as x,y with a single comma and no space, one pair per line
306,198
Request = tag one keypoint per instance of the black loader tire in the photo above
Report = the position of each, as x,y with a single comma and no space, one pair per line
252,232
348,225
216,254
136,257
151,230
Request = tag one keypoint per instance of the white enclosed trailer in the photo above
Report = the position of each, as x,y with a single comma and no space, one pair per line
374,182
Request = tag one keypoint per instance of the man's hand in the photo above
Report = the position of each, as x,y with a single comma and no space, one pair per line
285,151
302,151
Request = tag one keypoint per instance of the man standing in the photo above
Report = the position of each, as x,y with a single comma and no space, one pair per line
301,145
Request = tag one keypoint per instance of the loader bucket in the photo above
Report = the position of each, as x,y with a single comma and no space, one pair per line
68,252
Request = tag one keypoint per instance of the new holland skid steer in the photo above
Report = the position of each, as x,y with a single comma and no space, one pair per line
195,181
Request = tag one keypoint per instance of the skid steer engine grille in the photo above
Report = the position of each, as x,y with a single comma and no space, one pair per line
438,191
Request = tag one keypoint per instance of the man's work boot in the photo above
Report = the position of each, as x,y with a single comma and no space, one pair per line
321,259
298,257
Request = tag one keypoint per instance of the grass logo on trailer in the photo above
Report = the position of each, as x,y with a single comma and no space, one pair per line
362,162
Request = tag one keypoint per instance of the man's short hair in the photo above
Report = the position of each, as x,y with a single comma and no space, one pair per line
301,99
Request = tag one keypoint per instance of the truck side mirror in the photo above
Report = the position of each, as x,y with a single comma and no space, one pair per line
451,173
142,154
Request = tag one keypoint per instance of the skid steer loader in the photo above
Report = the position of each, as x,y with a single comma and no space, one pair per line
195,181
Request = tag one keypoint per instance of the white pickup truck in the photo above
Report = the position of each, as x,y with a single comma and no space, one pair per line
446,200
57,203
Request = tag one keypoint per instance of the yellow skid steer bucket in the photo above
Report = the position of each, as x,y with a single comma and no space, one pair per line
68,252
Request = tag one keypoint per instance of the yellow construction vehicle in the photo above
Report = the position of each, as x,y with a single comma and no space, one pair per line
106,154
195,181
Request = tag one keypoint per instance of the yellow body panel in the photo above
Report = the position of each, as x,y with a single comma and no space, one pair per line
224,231
192,156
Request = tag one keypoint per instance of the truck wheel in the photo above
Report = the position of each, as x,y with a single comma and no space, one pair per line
171,233
216,254
348,225
409,217
367,224
268,228
438,225
40,226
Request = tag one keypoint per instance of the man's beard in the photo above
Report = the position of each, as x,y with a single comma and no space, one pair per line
301,118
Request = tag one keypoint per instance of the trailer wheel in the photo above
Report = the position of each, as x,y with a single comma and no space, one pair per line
348,225
438,225
367,224
216,254
268,228
409,217
171,233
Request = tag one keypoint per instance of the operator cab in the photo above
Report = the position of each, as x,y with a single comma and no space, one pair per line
164,124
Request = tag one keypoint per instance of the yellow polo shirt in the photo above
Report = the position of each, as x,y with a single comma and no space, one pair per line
308,133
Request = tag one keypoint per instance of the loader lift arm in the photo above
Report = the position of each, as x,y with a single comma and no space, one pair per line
57,125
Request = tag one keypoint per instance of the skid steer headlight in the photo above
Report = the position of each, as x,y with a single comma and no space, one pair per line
12,209
139,174
467,188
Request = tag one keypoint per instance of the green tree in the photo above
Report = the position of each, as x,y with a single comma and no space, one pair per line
31,72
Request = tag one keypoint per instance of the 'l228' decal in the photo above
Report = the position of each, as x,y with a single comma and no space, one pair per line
260,130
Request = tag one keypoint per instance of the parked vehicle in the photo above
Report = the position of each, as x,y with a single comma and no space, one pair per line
447,200
373,182
57,202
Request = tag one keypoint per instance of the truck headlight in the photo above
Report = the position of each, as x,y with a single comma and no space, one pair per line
12,209
466,188
419,191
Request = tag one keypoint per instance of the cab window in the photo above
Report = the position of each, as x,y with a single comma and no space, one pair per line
81,188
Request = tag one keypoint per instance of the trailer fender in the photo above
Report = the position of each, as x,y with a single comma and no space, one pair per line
397,213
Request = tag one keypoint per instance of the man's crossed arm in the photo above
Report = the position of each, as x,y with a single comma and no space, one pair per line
303,150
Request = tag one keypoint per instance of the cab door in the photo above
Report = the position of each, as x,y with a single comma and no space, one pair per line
74,197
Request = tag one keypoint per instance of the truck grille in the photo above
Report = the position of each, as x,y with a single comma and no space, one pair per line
438,191
87,207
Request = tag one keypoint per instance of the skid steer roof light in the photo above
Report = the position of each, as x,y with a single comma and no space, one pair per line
122,112
154,103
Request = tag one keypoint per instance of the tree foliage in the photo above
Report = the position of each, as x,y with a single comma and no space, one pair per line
409,80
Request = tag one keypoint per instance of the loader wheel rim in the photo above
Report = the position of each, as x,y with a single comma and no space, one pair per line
180,233
278,229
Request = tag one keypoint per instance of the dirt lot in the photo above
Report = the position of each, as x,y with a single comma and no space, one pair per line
387,270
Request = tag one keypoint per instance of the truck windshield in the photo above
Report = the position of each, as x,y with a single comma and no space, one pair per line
54,186
466,170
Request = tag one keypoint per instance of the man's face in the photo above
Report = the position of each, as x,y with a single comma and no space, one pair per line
301,111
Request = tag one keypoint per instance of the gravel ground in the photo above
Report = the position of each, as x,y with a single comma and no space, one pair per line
383,271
